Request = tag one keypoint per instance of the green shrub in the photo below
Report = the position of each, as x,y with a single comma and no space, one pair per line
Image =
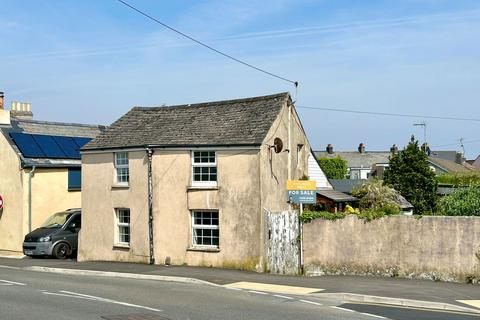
372,214
463,202
308,216
334,168
460,179
373,195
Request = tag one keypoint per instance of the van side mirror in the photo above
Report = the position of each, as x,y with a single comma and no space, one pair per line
72,226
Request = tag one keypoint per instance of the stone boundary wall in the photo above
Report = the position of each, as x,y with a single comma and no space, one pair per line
431,247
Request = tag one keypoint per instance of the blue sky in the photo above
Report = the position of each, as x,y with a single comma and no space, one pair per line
91,61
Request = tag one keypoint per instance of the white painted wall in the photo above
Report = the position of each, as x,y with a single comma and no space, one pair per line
316,173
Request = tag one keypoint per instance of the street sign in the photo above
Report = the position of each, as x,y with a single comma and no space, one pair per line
302,191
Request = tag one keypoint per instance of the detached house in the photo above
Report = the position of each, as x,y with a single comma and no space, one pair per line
189,184
39,170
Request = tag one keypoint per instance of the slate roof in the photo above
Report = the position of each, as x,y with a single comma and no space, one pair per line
451,166
346,185
219,123
355,159
49,128
336,196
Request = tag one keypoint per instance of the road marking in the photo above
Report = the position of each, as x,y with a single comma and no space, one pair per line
340,308
12,282
473,303
311,302
283,297
236,289
272,288
86,296
372,315
257,292
6,284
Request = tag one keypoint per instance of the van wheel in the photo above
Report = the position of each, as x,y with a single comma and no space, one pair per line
60,251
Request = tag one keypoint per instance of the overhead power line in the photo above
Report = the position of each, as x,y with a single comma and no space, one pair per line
404,115
457,143
295,83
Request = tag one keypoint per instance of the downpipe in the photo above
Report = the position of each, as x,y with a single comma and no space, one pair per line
30,176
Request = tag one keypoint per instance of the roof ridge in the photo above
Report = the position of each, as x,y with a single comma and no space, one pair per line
212,103
69,124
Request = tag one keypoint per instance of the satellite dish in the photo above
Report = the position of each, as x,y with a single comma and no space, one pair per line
278,145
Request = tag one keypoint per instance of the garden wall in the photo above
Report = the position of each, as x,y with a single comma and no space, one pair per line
433,247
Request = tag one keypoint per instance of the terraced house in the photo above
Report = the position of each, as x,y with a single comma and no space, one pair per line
39,170
189,184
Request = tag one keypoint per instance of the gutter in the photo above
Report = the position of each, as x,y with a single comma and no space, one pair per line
30,176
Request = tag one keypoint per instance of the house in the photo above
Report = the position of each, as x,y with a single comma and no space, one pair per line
364,164
190,184
39,170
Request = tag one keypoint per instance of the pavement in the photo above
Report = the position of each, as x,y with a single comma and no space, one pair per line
387,291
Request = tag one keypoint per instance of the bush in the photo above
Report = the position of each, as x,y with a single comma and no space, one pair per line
460,179
374,195
372,214
334,168
308,216
463,202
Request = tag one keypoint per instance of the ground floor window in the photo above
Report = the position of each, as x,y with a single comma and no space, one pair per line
205,228
123,226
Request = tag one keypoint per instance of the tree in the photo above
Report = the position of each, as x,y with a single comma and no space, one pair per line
375,195
410,174
334,168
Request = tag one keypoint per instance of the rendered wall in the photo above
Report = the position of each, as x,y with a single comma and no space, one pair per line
11,189
443,248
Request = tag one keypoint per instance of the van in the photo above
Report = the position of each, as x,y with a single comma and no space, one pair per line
57,237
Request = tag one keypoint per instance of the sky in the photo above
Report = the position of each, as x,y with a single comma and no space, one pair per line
91,61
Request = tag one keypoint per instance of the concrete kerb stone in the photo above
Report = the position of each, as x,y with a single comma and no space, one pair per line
353,297
120,275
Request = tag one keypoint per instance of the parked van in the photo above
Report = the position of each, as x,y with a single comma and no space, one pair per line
57,237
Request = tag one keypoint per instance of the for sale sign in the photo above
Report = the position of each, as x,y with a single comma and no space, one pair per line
302,191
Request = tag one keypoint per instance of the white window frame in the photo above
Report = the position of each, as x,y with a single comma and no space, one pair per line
204,165
119,224
205,227
122,166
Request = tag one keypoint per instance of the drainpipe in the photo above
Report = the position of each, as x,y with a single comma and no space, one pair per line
150,207
30,176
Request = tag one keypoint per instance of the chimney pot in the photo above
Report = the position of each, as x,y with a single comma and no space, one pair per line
394,149
329,148
361,148
2,100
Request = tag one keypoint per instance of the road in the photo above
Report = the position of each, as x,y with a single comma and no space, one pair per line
36,295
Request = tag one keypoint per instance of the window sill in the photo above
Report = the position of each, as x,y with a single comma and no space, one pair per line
121,246
74,189
202,188
120,186
204,249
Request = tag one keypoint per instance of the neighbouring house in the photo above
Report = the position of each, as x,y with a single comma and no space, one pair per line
39,170
475,162
363,165
190,184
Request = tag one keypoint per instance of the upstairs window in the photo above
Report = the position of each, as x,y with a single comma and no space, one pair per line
204,168
121,167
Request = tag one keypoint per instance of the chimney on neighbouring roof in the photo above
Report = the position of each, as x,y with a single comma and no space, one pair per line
329,148
394,149
361,148
21,110
2,100
459,158
425,148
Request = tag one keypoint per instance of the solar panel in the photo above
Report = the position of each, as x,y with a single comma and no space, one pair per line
81,141
27,145
49,146
46,146
68,146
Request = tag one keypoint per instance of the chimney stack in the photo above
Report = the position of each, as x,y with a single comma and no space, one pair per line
459,158
21,110
394,149
329,148
426,149
361,148
2,99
